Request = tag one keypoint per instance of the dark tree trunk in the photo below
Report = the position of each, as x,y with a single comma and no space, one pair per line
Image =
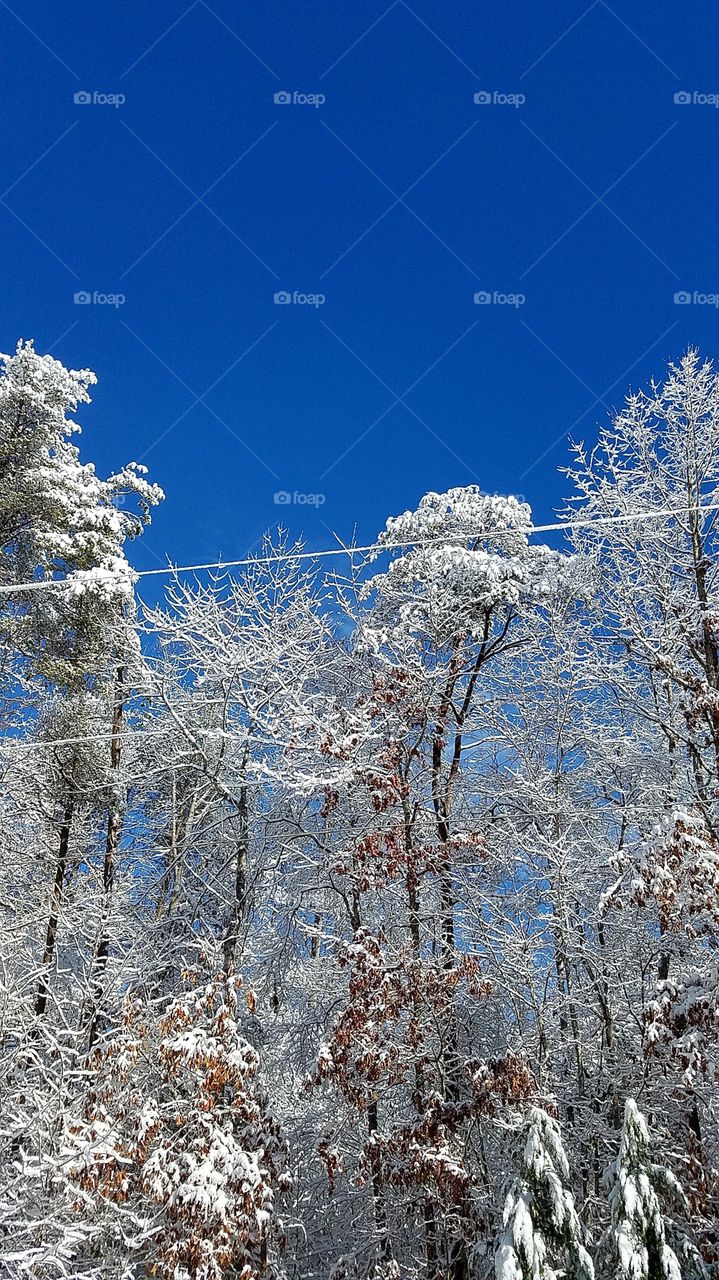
380,1215
112,848
43,986
238,908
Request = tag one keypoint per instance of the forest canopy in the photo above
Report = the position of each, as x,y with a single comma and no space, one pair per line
360,919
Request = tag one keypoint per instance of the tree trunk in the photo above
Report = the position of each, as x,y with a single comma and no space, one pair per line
43,986
237,910
112,847
380,1215
412,886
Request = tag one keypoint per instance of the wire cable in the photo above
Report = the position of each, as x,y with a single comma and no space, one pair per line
285,557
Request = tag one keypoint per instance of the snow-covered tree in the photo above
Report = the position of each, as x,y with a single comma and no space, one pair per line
59,519
636,1245
177,1138
542,1236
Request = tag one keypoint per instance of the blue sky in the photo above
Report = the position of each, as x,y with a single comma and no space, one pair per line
396,199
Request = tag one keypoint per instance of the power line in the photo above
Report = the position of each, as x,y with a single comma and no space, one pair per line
285,557
108,736
19,744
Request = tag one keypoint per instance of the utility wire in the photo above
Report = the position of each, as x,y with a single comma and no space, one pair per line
284,557
108,736
19,744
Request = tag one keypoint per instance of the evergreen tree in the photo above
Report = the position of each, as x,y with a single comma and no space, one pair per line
636,1244
542,1236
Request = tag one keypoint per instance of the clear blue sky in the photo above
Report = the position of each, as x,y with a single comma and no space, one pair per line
397,199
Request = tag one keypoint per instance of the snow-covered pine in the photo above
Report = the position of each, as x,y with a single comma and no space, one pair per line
466,566
636,1244
58,518
542,1237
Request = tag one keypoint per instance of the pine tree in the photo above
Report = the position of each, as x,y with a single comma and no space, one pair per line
58,518
542,1236
636,1245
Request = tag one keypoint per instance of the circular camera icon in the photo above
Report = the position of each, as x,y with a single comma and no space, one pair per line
482,97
